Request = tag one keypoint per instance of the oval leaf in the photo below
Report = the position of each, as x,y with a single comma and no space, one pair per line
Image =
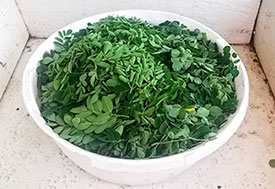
107,102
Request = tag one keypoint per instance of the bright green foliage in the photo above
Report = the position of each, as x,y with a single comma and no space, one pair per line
126,88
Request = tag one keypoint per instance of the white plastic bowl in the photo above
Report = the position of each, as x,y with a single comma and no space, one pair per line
135,172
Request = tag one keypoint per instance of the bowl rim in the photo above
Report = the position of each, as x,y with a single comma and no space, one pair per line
30,100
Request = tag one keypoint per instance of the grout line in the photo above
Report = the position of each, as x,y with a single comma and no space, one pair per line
4,92
253,46
254,25
240,44
36,37
260,65
28,30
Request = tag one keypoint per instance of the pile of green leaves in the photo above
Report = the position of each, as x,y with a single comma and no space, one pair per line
126,88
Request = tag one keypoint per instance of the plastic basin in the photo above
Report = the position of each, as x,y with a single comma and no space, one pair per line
125,171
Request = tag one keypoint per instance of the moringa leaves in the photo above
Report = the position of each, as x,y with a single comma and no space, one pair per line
107,104
202,112
125,88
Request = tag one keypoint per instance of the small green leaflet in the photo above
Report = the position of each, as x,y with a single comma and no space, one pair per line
101,119
215,111
107,103
79,109
47,60
174,111
202,112
76,121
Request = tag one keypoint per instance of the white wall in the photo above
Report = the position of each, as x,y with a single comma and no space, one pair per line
265,40
13,36
233,19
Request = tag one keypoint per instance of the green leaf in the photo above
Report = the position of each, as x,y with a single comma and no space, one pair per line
69,32
94,98
91,118
107,46
140,152
175,53
79,109
120,129
215,111
49,114
226,49
59,120
56,84
112,82
101,119
58,130
103,64
91,100
177,65
68,119
112,134
181,133
87,139
202,131
146,136
110,123
84,115
97,107
83,126
211,135
76,139
197,80
107,102
182,113
151,120
122,78
58,39
47,60
92,80
60,34
174,111
82,79
65,133
149,111
202,112
51,124
91,129
160,76
76,121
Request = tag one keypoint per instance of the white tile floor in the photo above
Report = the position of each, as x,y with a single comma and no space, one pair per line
30,159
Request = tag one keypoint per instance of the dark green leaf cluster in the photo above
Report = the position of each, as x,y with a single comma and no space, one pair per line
126,88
